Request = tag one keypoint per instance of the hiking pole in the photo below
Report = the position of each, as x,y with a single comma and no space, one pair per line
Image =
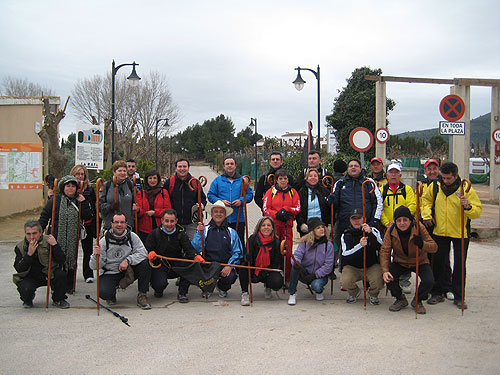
54,196
364,234
135,201
202,181
463,190
420,190
245,181
328,181
121,317
271,179
80,191
115,183
98,186
284,249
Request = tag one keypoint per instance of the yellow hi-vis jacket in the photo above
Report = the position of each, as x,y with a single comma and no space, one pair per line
447,211
404,196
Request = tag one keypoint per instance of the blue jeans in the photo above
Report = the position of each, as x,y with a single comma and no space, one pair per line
317,285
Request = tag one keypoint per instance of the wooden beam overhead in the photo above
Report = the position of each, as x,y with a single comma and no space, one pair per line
454,81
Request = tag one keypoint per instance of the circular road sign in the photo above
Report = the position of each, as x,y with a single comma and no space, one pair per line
361,139
382,135
452,107
496,135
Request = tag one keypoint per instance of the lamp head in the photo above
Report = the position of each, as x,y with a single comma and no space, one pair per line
299,82
133,77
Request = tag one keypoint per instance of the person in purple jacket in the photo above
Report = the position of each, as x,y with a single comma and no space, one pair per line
313,261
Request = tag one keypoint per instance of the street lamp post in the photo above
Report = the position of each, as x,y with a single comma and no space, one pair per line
134,81
156,138
253,122
299,85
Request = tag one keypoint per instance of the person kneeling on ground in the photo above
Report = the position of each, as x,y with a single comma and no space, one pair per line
352,242
400,242
32,263
264,252
313,261
170,240
122,256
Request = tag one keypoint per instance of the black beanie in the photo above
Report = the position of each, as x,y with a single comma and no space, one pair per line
403,211
339,166
313,223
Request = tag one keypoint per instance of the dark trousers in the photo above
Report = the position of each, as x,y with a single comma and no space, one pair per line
241,232
28,286
272,280
160,276
424,286
87,246
224,283
109,282
440,265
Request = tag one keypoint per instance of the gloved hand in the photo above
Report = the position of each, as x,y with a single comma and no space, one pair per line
296,265
114,206
282,215
248,258
418,241
152,255
304,228
199,258
309,278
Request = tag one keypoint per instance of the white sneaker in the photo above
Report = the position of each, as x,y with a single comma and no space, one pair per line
450,296
319,297
406,289
268,293
292,300
245,299
89,280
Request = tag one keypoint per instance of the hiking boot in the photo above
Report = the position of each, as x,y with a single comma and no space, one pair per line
434,300
268,293
450,296
182,298
421,308
374,300
458,303
28,305
142,301
111,301
221,293
158,294
292,300
399,304
62,304
353,299
319,297
245,299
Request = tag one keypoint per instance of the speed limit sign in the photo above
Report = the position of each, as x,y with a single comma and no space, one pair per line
382,135
496,135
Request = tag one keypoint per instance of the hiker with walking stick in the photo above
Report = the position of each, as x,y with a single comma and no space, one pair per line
450,199
32,266
400,243
353,242
222,244
312,261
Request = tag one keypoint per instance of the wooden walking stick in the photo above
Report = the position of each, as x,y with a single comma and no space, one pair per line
98,187
115,184
463,190
271,179
420,190
328,182
54,196
196,184
364,234
283,250
80,191
135,201
245,181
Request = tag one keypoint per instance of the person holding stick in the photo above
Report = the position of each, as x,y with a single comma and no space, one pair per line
32,263
312,261
263,185
222,244
448,203
400,242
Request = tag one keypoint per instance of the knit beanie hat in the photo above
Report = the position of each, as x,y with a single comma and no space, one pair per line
313,223
339,166
66,180
403,211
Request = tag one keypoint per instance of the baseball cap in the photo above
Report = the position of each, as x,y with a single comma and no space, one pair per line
430,161
394,166
376,159
356,212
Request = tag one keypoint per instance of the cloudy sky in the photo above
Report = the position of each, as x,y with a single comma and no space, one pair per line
238,58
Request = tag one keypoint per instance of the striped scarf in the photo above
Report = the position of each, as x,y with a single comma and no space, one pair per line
67,230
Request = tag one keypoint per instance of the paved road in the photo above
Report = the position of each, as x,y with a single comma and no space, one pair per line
217,336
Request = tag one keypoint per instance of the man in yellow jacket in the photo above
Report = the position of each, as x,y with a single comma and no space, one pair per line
447,217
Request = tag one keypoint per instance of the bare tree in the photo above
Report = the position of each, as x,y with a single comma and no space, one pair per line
22,87
136,110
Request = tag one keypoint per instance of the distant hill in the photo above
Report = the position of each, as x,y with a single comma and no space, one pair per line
480,131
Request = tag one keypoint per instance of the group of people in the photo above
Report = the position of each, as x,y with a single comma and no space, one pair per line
151,228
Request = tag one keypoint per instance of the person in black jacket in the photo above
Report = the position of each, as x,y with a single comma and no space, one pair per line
262,186
170,240
264,252
182,198
313,162
352,242
313,202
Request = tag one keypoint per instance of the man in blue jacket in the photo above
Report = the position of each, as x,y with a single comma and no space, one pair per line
227,188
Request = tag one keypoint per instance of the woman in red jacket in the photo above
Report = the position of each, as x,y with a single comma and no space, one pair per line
282,203
152,201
